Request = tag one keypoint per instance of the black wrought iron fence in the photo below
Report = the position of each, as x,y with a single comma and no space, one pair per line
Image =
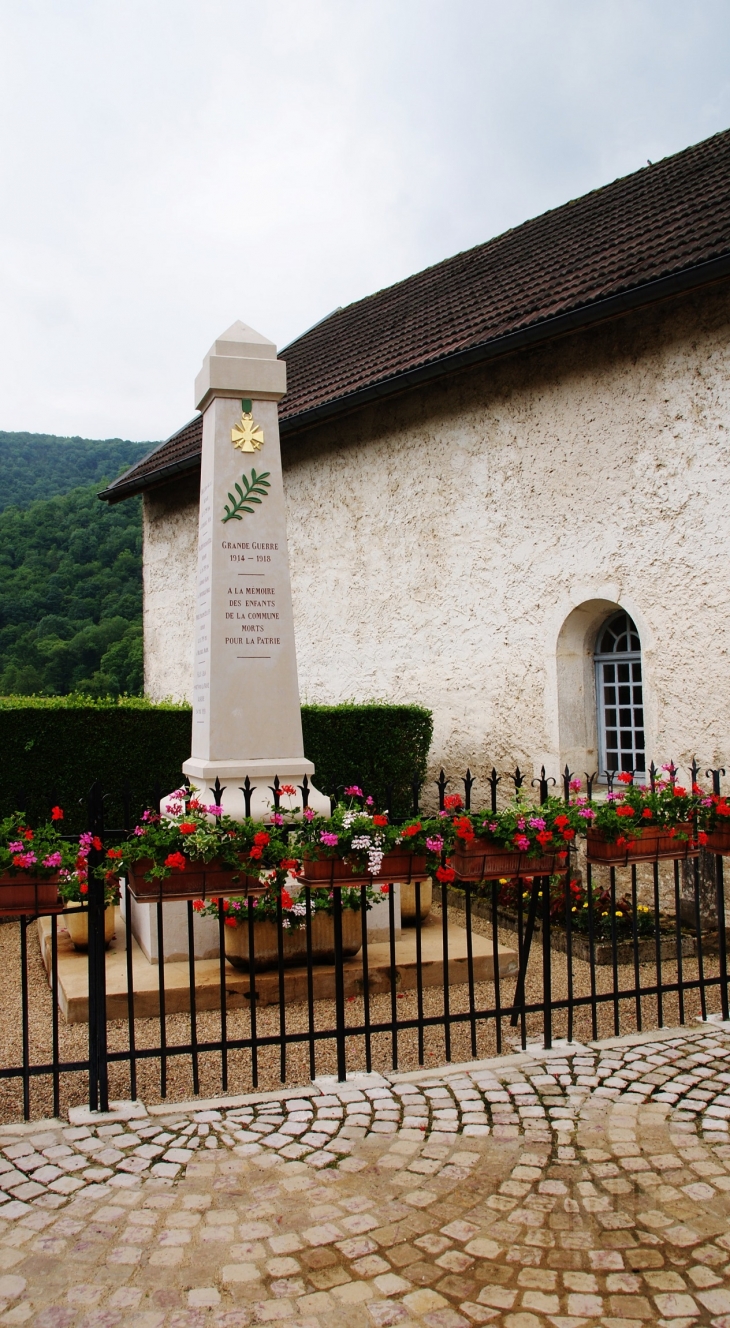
603,950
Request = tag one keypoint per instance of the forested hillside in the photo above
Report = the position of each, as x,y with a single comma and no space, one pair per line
70,569
40,465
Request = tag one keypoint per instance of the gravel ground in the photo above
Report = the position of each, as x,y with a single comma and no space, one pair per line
74,1037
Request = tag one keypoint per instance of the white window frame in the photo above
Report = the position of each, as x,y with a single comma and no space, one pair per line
634,723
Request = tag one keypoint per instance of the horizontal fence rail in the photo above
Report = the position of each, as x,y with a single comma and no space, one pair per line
481,967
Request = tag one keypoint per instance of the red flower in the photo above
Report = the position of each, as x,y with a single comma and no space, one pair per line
562,820
445,874
261,837
625,811
188,828
198,905
647,813
463,827
256,852
193,805
385,889
381,820
568,834
543,837
679,792
176,861
288,864
96,843
57,813
409,830
114,853
452,802
289,789
230,922
702,837
27,834
722,808
624,778
286,899
83,888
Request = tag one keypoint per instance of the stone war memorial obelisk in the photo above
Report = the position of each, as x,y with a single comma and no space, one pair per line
247,725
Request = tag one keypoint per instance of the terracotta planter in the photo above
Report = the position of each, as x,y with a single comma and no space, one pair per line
718,841
77,926
199,880
653,843
266,945
331,871
483,860
28,894
408,902
402,868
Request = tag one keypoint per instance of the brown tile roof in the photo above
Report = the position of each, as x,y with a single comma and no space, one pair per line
662,229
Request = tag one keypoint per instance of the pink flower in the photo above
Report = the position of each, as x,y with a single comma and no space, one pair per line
53,860
435,844
175,808
326,837
522,842
575,785
18,845
308,814
353,791
587,813
277,818
139,830
214,810
536,823
369,802
521,823
25,860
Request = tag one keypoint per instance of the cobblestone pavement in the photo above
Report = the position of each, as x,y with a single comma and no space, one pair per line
582,1186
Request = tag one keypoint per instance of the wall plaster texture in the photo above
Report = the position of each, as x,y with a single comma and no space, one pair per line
459,546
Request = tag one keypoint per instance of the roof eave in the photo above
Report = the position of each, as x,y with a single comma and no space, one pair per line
116,494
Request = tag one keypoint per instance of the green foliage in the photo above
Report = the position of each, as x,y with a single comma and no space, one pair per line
255,489
40,465
377,746
55,747
71,596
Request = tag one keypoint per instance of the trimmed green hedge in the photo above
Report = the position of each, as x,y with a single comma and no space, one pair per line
53,748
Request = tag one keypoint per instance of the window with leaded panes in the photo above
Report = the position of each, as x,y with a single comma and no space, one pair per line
620,697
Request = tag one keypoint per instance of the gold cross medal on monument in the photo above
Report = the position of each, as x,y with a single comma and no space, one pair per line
245,435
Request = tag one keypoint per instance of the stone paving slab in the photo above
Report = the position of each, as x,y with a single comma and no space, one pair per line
581,1186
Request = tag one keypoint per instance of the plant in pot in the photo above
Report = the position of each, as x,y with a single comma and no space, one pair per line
641,823
251,932
73,888
357,844
30,865
717,812
520,840
193,852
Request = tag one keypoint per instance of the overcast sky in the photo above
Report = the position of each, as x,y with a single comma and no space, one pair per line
168,166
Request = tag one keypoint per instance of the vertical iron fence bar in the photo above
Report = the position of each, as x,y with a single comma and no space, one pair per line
470,968
495,966
721,937
445,966
340,987
569,945
252,994
129,959
419,974
614,955
310,981
678,934
547,983
526,945
54,1016
522,1016
161,997
592,952
282,986
193,1001
698,941
222,992
98,1072
365,979
658,949
24,1014
392,971
635,941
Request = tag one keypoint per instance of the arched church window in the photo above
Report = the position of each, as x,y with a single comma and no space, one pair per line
620,696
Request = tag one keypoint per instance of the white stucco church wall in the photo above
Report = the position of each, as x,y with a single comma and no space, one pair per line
459,546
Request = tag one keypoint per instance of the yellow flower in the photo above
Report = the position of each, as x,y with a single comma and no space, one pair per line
619,914
503,880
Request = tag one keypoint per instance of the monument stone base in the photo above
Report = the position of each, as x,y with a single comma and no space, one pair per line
260,774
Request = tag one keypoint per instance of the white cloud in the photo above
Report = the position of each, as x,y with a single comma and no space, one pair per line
169,166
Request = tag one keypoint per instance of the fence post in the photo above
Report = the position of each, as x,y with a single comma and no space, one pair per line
98,1076
340,1034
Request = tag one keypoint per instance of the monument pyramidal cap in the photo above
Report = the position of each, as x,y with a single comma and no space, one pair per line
246,713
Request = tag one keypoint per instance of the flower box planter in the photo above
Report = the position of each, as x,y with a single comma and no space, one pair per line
77,925
294,941
331,871
651,843
718,841
483,860
29,895
199,880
